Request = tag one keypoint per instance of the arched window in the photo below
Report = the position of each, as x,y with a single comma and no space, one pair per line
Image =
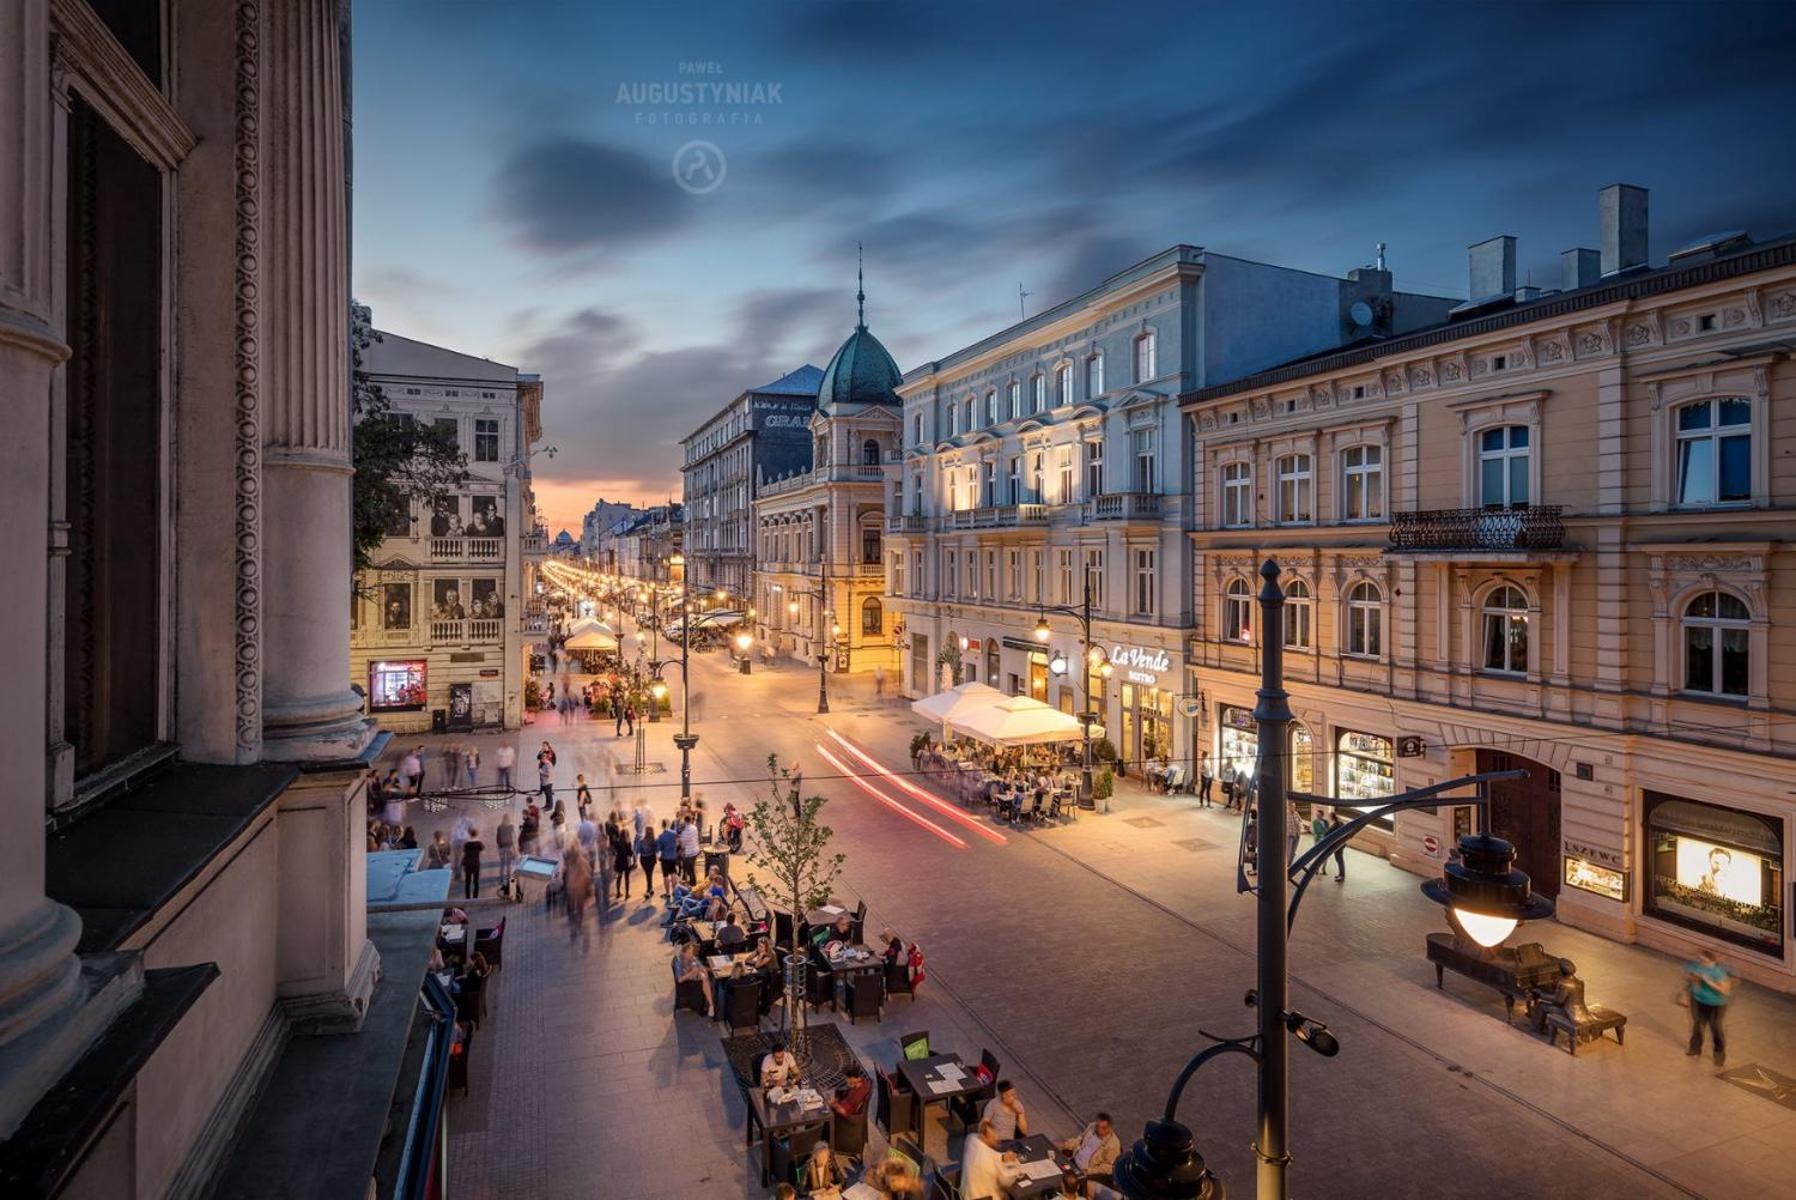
870,452
1714,455
1237,611
1503,467
872,616
1717,633
1094,377
1147,356
1506,631
1297,615
1365,621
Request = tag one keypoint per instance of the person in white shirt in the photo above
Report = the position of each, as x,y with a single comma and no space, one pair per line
411,769
1004,1114
689,849
1095,1150
779,1068
507,758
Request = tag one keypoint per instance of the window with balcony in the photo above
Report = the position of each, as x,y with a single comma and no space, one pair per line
1142,444
1717,637
1094,376
1237,494
1714,452
1037,475
870,452
1503,467
1299,609
1506,631
870,545
1365,621
1147,356
1014,470
988,470
1295,487
486,440
1094,468
1064,460
1063,384
1362,483
1237,612
1145,575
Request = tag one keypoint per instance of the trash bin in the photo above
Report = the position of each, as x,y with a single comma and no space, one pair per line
439,720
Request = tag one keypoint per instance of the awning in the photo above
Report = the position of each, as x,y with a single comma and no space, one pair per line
593,638
1018,721
957,701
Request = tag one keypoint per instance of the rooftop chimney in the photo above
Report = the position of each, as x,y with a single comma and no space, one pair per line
1621,210
1492,267
1581,268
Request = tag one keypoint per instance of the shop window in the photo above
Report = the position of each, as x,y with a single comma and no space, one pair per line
1362,483
1506,631
872,617
1364,773
1714,452
1238,741
1717,632
396,686
1365,621
1299,607
1237,612
1715,869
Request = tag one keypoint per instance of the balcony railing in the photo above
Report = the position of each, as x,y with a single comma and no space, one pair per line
535,543
1537,527
1124,506
997,516
909,523
447,632
467,549
486,629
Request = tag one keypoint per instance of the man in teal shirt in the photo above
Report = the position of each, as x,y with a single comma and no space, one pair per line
1709,984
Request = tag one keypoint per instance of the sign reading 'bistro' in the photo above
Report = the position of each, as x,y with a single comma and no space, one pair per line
1143,664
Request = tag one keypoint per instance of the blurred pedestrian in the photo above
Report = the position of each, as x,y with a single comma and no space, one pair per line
471,760
1709,985
645,854
452,764
470,864
508,755
1334,823
507,841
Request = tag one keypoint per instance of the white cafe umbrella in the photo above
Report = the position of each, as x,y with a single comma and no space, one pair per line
957,701
1018,721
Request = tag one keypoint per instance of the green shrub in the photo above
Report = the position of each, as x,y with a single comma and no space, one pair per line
533,695
1104,785
1104,750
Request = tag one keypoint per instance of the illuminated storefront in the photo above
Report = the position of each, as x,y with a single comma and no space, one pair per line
397,686
1714,869
1364,772
1239,740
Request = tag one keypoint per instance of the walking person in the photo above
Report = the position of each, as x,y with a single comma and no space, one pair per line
630,718
645,854
1230,784
545,780
507,758
452,764
507,841
411,770
1708,984
530,830
667,849
879,681
470,864
471,760
617,715
1293,830
582,794
689,850
1334,823
1318,831
1206,775
623,853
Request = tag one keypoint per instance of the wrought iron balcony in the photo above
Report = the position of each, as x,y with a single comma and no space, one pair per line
1537,527
1124,506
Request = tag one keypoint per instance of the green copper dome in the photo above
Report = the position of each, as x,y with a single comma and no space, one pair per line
862,372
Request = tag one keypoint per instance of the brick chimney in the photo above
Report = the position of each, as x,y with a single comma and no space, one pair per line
1621,211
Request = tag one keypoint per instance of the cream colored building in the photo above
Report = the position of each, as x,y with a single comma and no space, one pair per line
820,581
1554,533
446,619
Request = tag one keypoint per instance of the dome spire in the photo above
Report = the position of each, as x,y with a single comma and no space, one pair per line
860,289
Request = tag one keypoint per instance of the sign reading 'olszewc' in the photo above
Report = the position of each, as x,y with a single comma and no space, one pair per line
1140,659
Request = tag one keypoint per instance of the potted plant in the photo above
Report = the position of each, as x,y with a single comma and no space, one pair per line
1105,784
792,847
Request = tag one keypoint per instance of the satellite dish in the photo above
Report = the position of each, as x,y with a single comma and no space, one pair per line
1361,312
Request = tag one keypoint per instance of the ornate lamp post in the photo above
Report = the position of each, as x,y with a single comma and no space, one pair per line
685,739
1082,614
1484,894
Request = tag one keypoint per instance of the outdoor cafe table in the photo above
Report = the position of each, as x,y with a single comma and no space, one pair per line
706,933
860,960
779,1120
817,918
1034,1149
924,1077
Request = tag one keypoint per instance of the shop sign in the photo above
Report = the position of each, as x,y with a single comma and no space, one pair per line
1143,664
1593,877
1595,854
489,672
973,645
1236,717
1368,744
1431,845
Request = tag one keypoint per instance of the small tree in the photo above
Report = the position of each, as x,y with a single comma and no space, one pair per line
793,848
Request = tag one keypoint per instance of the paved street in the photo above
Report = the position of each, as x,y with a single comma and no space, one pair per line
1087,956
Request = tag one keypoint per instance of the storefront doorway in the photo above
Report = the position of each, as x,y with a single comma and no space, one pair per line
1147,723
1525,813
1038,676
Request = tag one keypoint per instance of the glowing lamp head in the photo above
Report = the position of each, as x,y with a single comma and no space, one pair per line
744,641
1486,930
1106,670
835,629
965,644
678,560
792,607
1057,664
1042,632
723,594
659,689
1484,895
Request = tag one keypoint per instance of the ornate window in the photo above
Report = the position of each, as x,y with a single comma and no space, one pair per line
870,452
1506,631
1144,581
1237,611
1094,376
1143,444
1717,635
872,617
1063,384
1295,487
991,407
1714,452
1094,468
1015,397
1503,467
1362,483
972,414
1147,356
1298,609
1237,494
1365,621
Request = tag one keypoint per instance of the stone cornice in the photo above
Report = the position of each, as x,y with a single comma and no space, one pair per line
91,59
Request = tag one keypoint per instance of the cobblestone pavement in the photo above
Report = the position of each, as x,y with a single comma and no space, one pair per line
1087,956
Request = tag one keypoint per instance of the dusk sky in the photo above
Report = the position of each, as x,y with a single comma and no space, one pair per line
515,195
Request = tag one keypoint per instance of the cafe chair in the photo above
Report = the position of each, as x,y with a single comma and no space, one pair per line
782,929
898,980
866,997
848,1135
895,1110
969,1108
944,1186
907,1040
819,987
787,1154
742,1005
458,1060
689,994
491,944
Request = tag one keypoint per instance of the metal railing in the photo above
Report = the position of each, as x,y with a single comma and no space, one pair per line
1537,527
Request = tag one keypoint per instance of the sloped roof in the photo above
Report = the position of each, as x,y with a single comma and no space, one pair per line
862,372
802,382
397,355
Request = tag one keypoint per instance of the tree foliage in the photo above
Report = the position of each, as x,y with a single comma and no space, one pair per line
792,847
399,462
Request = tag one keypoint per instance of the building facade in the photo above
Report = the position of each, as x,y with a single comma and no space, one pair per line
763,433
182,863
1555,535
603,517
646,544
820,580
1051,457
437,626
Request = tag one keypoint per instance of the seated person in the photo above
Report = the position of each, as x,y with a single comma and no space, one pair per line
780,1067
689,968
843,930
894,947
761,958
1095,1150
1004,1114
851,1098
896,1176
729,931
822,1176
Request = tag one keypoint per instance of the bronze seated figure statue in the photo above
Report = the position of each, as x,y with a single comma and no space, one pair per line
1560,1008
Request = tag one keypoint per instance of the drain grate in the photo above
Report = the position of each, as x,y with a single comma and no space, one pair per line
1195,844
1143,822
1762,1081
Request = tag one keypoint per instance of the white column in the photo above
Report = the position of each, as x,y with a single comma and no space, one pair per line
309,711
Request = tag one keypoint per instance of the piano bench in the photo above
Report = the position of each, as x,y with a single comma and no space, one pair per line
1600,1021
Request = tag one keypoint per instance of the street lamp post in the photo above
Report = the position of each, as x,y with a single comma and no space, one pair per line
1082,614
1485,897
685,739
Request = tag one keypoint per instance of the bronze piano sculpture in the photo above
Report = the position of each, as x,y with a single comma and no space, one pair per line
1515,971
1561,1009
